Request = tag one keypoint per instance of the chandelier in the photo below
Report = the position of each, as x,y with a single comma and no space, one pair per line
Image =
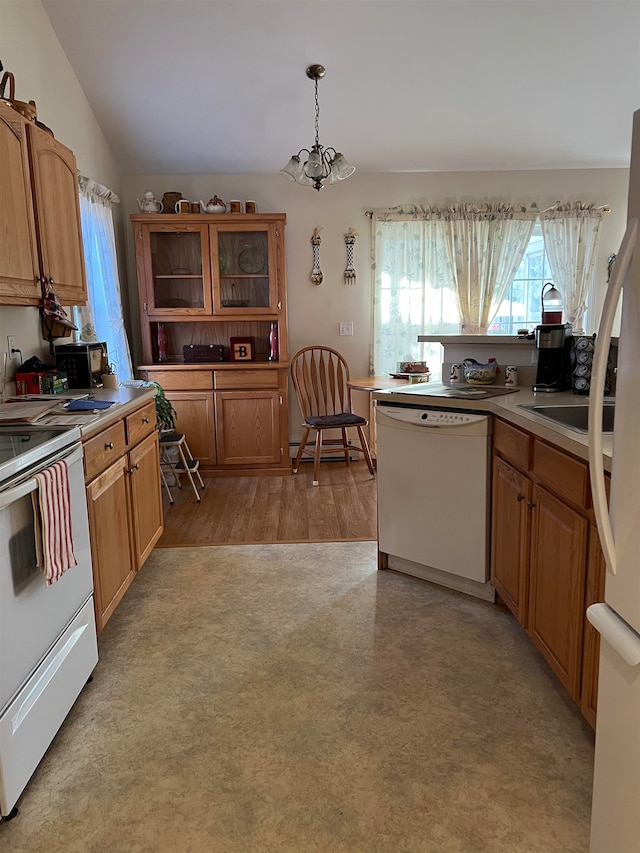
320,164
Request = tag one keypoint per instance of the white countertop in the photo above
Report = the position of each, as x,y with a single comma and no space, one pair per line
508,407
125,401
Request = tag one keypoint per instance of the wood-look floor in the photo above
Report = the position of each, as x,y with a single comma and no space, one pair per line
244,510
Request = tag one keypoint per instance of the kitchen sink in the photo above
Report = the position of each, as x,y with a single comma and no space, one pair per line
573,417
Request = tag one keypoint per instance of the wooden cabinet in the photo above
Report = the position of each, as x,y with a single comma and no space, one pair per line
203,280
546,562
122,473
556,590
40,232
510,538
19,275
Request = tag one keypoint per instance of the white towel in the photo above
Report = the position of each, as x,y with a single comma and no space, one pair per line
52,521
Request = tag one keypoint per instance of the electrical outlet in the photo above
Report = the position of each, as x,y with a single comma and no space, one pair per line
11,346
346,328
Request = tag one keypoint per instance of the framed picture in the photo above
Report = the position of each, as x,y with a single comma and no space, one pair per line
242,349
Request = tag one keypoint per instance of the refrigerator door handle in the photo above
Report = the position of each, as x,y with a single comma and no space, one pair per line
616,632
599,371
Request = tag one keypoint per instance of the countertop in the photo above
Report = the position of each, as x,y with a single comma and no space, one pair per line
126,400
507,407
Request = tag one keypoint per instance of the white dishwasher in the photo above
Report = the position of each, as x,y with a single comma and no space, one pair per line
433,475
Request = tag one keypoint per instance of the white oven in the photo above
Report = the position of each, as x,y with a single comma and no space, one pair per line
48,645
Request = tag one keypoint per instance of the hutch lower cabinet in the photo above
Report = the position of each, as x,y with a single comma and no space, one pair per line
212,299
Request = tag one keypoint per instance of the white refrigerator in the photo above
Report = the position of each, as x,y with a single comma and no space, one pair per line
615,821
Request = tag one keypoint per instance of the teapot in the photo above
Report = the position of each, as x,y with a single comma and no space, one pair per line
480,374
149,203
214,205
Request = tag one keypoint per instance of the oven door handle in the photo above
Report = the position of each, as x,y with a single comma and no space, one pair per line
25,487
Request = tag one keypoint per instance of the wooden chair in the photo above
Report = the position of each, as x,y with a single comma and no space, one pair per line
320,376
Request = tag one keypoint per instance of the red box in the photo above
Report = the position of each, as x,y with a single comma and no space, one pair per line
31,383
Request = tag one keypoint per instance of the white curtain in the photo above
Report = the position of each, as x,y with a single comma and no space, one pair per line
486,244
412,287
102,318
571,233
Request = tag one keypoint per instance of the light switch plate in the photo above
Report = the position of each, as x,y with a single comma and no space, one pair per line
346,328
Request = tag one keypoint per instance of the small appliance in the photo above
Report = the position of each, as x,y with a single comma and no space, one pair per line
84,363
554,342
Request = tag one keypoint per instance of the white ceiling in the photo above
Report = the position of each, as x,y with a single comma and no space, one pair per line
214,86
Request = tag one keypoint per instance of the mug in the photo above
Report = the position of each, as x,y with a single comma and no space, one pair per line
195,207
250,207
183,206
455,374
511,376
235,206
110,380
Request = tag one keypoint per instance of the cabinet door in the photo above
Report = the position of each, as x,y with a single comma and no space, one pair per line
146,498
596,573
173,263
245,279
111,539
19,273
57,209
195,419
557,571
248,427
510,536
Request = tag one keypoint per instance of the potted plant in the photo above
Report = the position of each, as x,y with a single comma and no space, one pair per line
165,413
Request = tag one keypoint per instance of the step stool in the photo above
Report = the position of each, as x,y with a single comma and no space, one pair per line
178,462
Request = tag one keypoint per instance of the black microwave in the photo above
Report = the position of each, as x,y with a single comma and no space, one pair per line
84,363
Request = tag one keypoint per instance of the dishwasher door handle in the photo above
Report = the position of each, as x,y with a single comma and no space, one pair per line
409,416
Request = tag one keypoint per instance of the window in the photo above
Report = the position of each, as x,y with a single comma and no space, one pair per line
521,306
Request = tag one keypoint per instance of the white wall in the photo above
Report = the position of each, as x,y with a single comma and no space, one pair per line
30,49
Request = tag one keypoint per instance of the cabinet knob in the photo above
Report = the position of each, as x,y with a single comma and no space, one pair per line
520,498
133,468
531,505
145,420
51,279
109,446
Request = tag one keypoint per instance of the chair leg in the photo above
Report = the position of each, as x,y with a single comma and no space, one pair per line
303,444
365,450
197,471
316,461
187,471
166,485
345,443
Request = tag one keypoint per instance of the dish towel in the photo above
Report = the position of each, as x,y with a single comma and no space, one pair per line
52,521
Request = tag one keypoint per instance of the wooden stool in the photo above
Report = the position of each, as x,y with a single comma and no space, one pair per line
178,462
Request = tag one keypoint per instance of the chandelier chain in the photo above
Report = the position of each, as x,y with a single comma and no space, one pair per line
317,115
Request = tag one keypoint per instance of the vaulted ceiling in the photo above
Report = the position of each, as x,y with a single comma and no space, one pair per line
214,86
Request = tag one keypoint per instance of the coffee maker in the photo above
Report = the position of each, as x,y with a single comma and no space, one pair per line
555,346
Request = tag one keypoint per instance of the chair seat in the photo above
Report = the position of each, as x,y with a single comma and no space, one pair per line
344,419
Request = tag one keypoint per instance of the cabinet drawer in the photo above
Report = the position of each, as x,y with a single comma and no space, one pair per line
140,423
230,379
513,444
562,474
103,449
181,380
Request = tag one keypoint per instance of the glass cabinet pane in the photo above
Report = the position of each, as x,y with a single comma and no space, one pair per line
243,270
176,271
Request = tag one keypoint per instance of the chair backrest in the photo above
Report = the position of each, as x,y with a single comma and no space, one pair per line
320,376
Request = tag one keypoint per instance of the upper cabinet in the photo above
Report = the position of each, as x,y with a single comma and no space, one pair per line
19,272
204,278
40,232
